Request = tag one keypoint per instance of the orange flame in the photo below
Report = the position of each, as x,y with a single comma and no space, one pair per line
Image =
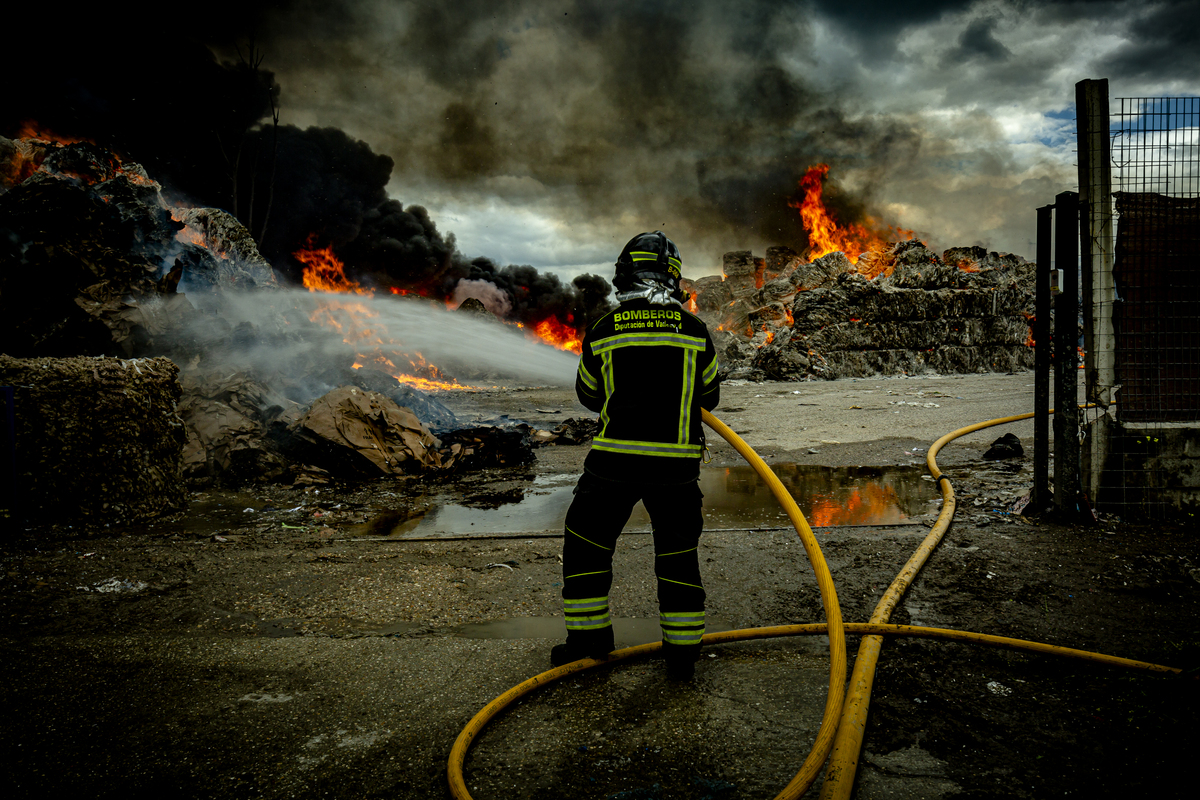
863,506
31,130
826,235
559,334
325,272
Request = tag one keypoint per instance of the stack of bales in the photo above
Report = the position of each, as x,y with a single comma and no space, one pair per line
95,439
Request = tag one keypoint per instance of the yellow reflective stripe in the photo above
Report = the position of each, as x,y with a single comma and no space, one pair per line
643,255
583,574
588,626
682,627
710,372
685,396
681,583
646,448
606,372
601,346
589,541
588,379
586,603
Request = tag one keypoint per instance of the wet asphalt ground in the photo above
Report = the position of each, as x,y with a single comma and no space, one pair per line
295,661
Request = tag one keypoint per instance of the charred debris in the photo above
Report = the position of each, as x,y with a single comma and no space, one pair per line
138,370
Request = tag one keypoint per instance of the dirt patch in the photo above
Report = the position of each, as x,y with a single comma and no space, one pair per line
269,642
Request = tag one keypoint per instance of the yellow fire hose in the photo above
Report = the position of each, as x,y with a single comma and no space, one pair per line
834,626
843,763
839,778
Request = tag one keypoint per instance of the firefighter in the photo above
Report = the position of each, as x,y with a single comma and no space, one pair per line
647,367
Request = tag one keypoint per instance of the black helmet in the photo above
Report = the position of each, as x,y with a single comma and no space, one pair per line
649,256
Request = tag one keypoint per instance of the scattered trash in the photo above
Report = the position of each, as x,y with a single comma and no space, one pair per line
909,403
571,432
263,697
497,564
998,689
113,585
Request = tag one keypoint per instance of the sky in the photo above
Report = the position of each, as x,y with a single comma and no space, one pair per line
549,132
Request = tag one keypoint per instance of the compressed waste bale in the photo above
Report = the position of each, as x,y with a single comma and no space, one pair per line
96,438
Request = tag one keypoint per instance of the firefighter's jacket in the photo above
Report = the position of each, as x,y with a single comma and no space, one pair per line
648,370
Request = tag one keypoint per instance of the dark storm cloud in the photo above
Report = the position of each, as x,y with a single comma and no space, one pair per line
1163,43
693,113
697,117
886,16
979,41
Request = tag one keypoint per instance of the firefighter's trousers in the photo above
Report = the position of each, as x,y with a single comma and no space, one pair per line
595,519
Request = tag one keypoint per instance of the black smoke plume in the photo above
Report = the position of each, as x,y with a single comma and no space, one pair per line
209,131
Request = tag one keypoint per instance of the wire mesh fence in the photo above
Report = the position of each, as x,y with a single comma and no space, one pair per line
1144,342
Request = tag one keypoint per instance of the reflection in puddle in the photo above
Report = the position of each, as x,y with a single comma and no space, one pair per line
828,496
734,497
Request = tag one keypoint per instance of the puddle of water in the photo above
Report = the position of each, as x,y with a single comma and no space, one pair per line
829,496
734,497
543,508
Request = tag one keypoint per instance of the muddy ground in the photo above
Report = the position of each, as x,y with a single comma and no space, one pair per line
277,642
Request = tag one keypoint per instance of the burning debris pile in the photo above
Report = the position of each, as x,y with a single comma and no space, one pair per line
866,298
93,255
277,383
861,303
901,309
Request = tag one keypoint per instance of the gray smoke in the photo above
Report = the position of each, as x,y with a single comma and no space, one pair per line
697,118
